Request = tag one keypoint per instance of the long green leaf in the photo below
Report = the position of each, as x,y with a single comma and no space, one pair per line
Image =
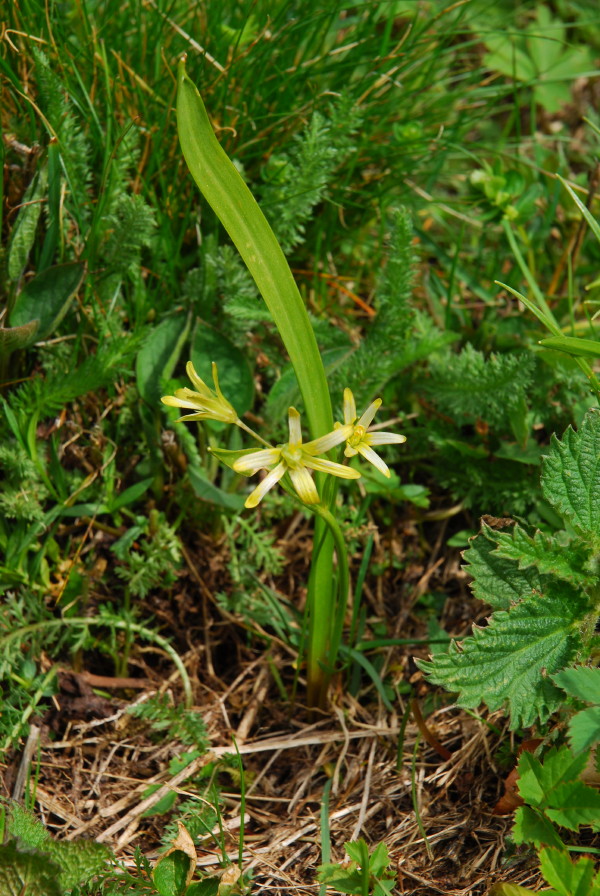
224,189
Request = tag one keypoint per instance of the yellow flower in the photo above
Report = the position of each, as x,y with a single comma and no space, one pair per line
360,440
206,404
295,458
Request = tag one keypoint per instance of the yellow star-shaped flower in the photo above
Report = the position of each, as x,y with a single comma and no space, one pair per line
296,458
360,440
206,404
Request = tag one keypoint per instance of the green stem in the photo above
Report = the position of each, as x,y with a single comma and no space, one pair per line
326,615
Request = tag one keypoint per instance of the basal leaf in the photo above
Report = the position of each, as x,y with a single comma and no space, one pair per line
571,475
547,554
509,661
497,581
47,297
158,356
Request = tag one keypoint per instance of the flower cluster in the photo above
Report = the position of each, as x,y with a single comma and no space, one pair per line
295,457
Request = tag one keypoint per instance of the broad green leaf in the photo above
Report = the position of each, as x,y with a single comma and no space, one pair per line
571,475
531,827
158,356
163,805
508,662
13,338
573,345
497,581
584,729
549,555
235,377
206,490
47,297
207,887
569,878
170,874
582,682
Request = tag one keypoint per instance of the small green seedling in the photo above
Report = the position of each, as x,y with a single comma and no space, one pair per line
364,874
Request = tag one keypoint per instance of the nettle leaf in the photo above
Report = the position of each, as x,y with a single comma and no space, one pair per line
27,872
571,476
498,581
509,661
548,554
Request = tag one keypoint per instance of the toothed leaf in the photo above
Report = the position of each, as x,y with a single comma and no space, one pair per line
497,581
571,476
508,662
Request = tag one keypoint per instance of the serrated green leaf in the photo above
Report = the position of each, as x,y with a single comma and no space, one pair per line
47,297
497,581
569,878
584,729
547,554
571,475
582,682
531,827
79,861
538,781
509,661
576,804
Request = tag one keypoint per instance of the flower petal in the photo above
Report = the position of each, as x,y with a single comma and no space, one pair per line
294,427
374,459
349,407
267,483
304,485
368,415
328,466
258,460
384,438
198,383
325,443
